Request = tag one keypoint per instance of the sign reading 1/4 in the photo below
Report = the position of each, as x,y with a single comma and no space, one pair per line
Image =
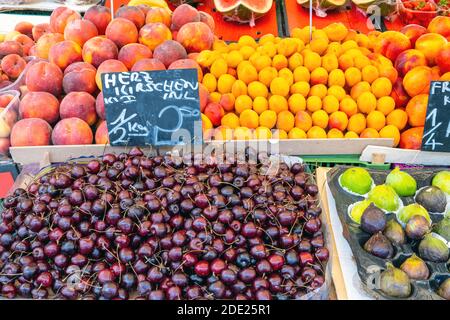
436,134
152,107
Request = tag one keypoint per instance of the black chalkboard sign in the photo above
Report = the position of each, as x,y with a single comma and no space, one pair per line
436,134
156,108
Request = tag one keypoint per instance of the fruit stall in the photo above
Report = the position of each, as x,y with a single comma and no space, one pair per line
225,149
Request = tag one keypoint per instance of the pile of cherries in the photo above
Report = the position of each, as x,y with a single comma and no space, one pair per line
129,226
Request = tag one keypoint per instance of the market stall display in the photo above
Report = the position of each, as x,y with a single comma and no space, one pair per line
397,226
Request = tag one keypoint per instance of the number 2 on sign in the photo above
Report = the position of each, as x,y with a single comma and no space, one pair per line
431,134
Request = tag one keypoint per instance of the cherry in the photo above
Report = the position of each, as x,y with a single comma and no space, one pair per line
202,268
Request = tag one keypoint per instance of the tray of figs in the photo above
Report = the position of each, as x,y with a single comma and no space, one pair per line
397,224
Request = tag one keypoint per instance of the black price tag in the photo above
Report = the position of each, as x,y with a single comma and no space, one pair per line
157,108
436,134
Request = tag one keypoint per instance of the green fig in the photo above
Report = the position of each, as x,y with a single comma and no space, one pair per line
443,228
395,233
373,219
402,182
356,180
379,246
417,227
444,289
442,181
385,197
433,249
415,268
395,282
432,198
357,209
411,210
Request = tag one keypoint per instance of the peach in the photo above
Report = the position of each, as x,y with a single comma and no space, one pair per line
101,134
391,44
60,17
184,14
72,131
10,47
9,117
39,30
196,36
5,128
187,64
441,25
25,41
162,15
100,106
214,112
4,146
204,96
144,8
44,76
208,19
399,94
45,42
100,16
42,105
99,49
443,59
132,53
13,65
430,44
78,66
5,99
33,51
109,66
82,79
413,32
417,80
79,105
133,14
80,31
25,28
65,53
31,132
412,138
148,65
153,34
122,31
169,51
408,60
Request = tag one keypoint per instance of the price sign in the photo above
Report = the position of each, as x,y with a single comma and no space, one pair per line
156,108
436,135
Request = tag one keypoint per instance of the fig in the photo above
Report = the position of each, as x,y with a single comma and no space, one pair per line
432,198
417,227
433,249
402,182
356,180
395,282
442,181
443,228
379,246
356,211
444,289
411,210
415,268
385,197
395,233
373,219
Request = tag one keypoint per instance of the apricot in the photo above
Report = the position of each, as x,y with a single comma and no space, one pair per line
184,14
99,49
45,42
39,30
60,17
80,31
31,132
100,16
65,53
44,76
153,34
72,131
122,31
132,53
13,65
79,105
108,66
195,36
133,14
148,65
101,134
169,51
25,28
42,105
